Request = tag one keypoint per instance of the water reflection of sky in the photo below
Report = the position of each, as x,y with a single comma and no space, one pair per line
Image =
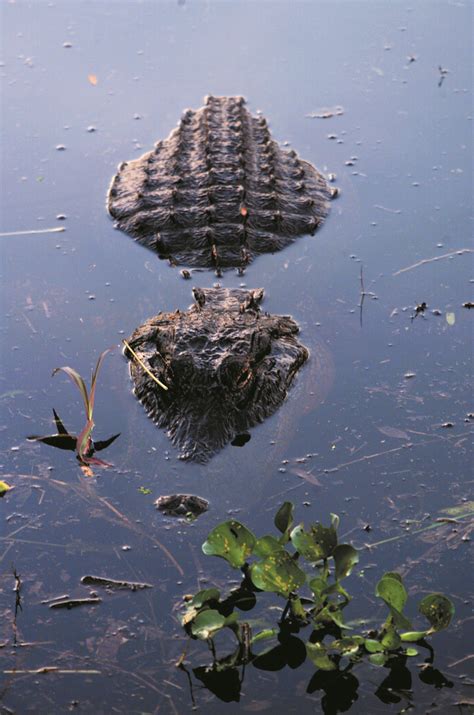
67,296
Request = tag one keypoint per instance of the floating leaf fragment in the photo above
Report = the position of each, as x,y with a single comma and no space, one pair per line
4,488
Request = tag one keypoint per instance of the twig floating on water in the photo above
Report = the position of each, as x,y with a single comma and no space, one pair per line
112,583
57,229
389,211
52,669
74,602
460,252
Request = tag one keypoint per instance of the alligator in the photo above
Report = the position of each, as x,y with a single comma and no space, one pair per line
227,366
218,191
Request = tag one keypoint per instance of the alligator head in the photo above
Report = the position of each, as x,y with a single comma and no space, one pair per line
226,364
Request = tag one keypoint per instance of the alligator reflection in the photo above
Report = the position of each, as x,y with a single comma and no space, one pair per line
339,688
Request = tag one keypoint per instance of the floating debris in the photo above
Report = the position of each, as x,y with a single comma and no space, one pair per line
182,505
326,113
113,583
56,229
75,602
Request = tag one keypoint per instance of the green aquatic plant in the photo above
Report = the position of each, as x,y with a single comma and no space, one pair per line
306,567
82,444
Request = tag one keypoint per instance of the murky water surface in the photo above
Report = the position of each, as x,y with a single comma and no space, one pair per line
105,80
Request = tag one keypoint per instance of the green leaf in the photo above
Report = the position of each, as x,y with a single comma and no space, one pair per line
144,490
316,544
231,541
378,659
78,381
345,558
207,624
411,652
318,585
284,517
348,645
412,636
277,573
328,614
390,639
4,488
264,635
94,381
205,596
391,589
373,646
317,653
266,545
438,609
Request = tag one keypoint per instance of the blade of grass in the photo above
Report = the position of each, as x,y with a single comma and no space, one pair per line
78,381
94,382
158,382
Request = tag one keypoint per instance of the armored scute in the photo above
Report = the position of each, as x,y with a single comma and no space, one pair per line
218,191
227,367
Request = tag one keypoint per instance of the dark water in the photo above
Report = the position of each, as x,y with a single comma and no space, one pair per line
65,297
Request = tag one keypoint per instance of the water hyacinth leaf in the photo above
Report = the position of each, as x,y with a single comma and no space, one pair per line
328,615
316,544
205,596
277,573
390,639
412,636
411,652
395,575
264,635
284,517
391,589
378,659
266,545
231,541
318,586
345,558
373,646
438,609
349,645
207,624
318,655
